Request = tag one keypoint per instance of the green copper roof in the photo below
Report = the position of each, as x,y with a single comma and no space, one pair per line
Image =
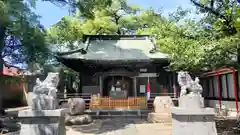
117,47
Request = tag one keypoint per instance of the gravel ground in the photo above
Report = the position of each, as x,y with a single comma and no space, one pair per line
120,127
227,126
133,126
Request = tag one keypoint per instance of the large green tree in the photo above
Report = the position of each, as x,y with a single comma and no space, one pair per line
113,17
120,18
223,20
192,44
22,38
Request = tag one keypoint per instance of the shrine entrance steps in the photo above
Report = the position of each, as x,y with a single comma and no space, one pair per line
112,113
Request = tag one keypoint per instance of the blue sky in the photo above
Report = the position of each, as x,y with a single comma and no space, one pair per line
51,13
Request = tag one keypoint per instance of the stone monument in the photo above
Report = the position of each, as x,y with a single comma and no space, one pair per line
75,115
191,118
44,117
162,110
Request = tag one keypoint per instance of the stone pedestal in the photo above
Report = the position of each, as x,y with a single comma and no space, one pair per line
191,118
42,122
193,121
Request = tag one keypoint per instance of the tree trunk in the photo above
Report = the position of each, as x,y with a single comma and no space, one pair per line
2,36
238,54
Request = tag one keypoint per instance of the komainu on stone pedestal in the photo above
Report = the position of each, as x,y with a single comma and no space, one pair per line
44,117
191,118
162,110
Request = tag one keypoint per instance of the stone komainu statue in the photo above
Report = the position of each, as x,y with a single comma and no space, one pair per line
188,86
48,86
44,95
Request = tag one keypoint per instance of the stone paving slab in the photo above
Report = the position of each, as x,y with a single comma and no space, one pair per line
121,127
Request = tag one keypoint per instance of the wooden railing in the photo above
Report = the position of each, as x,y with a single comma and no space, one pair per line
153,95
65,96
113,103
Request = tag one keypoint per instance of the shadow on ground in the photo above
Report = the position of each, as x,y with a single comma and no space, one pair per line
9,125
101,126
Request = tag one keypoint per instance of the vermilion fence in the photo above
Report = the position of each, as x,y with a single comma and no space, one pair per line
222,85
113,103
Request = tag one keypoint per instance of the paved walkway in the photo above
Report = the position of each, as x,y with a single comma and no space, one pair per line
123,126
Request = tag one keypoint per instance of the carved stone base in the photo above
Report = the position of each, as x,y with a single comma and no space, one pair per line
42,122
159,118
194,101
193,121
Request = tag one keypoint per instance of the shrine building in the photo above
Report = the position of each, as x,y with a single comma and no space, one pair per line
119,65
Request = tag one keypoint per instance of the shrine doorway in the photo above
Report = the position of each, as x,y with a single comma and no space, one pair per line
118,84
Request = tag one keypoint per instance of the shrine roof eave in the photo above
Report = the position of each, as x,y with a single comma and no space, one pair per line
113,61
81,64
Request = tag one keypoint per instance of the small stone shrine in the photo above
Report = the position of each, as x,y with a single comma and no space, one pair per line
44,117
191,118
162,110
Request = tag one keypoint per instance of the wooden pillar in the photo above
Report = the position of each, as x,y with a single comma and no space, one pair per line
101,85
175,90
61,84
80,83
135,85
235,88
170,87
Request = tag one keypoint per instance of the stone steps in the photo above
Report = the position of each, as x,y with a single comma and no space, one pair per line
159,118
118,113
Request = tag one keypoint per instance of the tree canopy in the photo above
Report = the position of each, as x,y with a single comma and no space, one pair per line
207,43
195,45
22,37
